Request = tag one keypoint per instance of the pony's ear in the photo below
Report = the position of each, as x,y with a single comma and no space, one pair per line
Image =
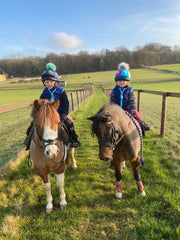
91,118
105,118
56,104
37,103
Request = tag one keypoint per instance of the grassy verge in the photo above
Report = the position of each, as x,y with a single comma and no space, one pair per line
170,67
92,211
13,125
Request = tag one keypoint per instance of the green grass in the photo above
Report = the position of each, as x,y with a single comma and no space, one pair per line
17,96
170,67
92,211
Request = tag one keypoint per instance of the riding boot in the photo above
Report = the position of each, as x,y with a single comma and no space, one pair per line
72,134
29,133
73,138
146,127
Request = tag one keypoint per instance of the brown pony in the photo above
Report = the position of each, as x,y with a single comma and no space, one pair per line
47,149
118,140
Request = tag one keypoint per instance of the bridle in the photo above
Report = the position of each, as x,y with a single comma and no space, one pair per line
116,138
46,142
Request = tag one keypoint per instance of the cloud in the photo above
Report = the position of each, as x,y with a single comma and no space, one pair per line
163,25
64,41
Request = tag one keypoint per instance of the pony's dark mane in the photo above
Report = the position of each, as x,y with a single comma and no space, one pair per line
99,127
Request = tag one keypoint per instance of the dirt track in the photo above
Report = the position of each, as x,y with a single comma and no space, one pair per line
14,106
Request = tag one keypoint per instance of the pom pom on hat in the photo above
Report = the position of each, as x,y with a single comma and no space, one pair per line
51,66
123,65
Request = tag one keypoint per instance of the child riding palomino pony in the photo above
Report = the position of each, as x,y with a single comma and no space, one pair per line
118,140
48,150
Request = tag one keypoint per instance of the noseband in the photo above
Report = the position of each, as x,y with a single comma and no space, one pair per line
116,138
45,143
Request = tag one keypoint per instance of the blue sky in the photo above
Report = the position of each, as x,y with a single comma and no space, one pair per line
39,27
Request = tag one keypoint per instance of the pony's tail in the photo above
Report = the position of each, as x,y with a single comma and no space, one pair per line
123,65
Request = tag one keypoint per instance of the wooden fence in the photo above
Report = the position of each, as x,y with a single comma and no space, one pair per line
164,98
77,97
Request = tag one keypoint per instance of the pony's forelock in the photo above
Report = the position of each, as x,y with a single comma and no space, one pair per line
45,114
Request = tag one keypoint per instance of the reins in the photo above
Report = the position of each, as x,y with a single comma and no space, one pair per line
140,135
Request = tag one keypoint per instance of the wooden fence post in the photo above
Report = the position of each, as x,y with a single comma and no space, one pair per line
77,98
81,96
163,115
72,101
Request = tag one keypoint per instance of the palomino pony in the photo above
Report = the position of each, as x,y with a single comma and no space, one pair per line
47,149
118,140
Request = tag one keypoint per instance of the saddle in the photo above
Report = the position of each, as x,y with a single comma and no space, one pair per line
63,133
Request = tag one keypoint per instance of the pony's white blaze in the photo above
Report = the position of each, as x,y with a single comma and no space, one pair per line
50,150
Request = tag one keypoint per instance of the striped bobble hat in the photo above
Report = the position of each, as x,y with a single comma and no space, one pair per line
123,73
50,73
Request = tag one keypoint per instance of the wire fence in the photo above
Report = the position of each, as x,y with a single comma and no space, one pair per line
13,125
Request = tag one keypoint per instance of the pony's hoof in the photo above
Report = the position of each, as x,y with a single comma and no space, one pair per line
63,206
49,210
119,195
74,167
143,193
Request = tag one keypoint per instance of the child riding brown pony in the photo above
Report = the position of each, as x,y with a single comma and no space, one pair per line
47,148
119,140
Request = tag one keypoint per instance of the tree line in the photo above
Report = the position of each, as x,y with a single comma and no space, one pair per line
150,54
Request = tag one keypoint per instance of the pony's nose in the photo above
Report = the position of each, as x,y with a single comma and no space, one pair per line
50,155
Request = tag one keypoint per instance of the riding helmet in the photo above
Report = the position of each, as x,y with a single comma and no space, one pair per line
50,73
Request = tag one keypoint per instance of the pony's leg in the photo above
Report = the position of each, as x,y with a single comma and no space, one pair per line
60,184
74,165
70,155
123,165
118,175
47,187
137,177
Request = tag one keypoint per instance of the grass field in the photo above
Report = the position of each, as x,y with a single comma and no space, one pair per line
169,67
92,211
141,79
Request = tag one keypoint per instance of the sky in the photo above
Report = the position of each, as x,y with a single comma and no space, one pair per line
40,27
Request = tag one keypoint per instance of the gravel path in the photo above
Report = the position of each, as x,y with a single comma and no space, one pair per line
14,106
